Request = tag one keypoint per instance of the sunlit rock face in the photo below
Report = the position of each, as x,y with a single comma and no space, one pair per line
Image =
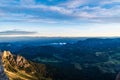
19,68
2,73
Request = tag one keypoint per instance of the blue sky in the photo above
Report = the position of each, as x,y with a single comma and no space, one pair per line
76,18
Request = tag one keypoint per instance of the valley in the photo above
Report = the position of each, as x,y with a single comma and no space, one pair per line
90,59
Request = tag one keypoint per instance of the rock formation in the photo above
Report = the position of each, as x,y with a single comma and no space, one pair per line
2,73
19,68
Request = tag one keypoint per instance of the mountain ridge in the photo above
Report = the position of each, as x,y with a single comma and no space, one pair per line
18,68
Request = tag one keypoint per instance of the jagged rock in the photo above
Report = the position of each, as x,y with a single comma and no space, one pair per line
19,68
2,73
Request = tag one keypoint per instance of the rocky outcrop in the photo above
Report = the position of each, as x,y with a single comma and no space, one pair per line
2,73
19,68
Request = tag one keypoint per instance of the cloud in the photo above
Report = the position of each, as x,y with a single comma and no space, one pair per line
73,3
109,1
17,32
82,10
61,10
27,2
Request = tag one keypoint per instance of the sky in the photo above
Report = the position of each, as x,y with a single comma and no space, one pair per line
60,18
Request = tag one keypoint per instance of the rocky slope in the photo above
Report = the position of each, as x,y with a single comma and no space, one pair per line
18,68
2,73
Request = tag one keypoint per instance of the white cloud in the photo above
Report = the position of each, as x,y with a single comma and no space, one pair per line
74,3
103,2
71,8
61,10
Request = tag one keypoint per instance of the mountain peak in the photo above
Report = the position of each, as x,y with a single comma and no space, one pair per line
6,53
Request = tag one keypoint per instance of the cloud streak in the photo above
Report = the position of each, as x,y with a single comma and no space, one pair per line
17,32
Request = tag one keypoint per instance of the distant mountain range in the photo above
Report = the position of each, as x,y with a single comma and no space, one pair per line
101,57
89,59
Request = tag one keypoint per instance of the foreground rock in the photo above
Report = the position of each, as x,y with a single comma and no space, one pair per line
2,73
18,68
